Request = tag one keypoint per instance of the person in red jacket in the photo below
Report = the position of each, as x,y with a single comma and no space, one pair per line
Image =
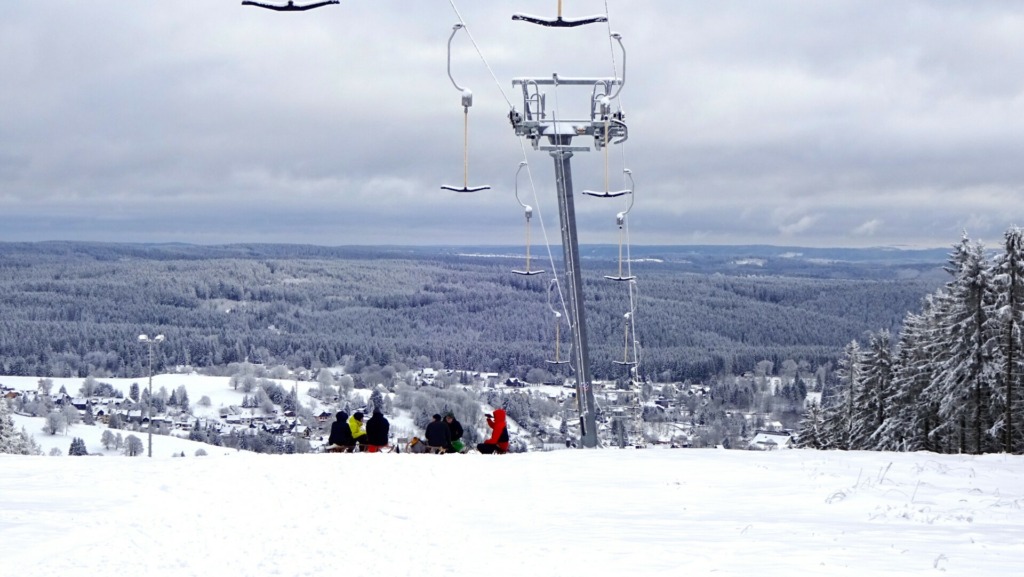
498,443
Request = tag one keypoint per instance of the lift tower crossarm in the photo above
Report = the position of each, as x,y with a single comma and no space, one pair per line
571,81
535,123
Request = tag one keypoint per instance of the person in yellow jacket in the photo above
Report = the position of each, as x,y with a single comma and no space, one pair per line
355,424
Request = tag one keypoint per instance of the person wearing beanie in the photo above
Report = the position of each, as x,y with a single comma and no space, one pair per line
498,443
341,434
455,432
438,436
355,424
377,429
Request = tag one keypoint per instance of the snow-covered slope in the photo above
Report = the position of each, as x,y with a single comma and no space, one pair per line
589,512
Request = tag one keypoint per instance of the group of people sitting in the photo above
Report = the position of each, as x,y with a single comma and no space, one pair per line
348,433
443,435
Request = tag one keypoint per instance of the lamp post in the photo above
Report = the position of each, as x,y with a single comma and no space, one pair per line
149,404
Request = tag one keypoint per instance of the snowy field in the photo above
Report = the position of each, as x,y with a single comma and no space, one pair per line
565,513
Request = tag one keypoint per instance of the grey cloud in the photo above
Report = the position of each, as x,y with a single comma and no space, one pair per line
778,122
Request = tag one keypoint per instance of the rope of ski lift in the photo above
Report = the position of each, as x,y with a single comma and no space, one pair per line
480,53
529,171
633,287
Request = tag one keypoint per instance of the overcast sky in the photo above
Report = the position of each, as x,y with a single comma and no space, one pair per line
839,123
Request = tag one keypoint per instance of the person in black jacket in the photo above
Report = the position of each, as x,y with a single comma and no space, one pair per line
341,433
439,438
455,431
377,429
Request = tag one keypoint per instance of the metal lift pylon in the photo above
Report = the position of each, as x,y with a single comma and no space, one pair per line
535,124
574,282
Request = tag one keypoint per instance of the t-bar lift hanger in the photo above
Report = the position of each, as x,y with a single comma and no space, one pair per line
620,220
291,6
560,22
528,210
467,101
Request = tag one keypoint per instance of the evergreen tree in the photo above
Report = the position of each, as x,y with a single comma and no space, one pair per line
914,414
838,409
1007,325
77,448
12,441
812,428
377,400
291,401
874,391
966,375
197,434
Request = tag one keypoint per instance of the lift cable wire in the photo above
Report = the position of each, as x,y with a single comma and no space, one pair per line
479,52
522,143
626,174
634,296
555,116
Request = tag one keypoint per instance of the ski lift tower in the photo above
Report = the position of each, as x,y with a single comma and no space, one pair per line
604,127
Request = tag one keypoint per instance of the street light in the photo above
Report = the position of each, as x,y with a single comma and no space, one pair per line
149,404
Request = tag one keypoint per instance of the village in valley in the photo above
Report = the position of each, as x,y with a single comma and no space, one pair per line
292,412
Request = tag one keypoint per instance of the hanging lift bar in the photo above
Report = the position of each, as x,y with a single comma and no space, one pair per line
601,107
528,210
291,6
467,101
625,353
560,22
601,140
558,328
620,220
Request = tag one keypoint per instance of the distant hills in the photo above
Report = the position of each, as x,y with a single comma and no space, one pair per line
74,307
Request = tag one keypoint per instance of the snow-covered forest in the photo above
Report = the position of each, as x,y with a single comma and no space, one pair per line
75,309
950,379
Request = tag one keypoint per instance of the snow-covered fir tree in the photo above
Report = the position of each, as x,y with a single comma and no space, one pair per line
873,392
812,427
965,377
838,406
913,414
954,382
77,448
12,441
1007,321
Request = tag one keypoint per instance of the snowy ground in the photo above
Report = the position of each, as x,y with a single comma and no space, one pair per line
594,512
